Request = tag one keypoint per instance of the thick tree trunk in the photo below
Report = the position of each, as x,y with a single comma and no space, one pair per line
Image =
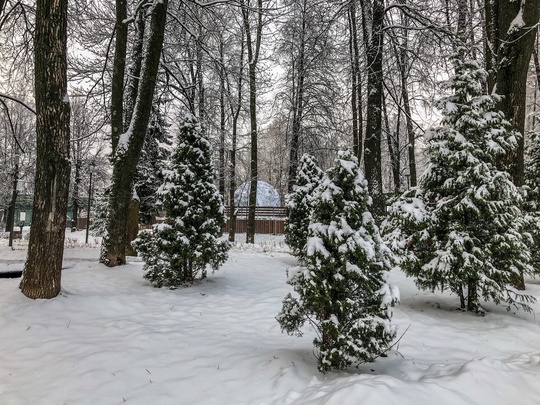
509,47
43,268
373,22
119,70
134,75
126,157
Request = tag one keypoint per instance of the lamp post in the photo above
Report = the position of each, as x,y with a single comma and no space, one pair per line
13,200
91,168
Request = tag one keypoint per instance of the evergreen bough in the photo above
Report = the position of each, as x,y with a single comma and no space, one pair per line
462,228
99,208
149,173
342,291
300,204
178,251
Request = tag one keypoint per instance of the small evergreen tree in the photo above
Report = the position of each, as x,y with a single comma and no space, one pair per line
462,227
149,173
179,251
300,203
342,292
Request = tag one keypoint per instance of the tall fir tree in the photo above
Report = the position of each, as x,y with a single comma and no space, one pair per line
178,252
300,204
462,228
342,291
149,173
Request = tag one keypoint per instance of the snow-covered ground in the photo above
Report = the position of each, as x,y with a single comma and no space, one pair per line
111,338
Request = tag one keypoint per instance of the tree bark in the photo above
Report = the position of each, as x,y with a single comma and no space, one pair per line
134,75
508,49
222,119
298,102
253,57
393,148
235,112
119,69
43,269
404,73
356,80
373,22
127,152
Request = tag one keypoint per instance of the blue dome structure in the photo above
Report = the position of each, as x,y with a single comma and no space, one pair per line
267,196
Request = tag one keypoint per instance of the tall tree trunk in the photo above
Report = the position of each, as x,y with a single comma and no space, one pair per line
134,70
129,146
253,57
76,186
200,76
356,79
404,75
393,148
373,23
298,102
536,67
509,47
10,222
130,98
222,120
235,112
119,69
43,269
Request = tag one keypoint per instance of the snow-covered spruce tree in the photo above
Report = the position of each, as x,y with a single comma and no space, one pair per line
99,211
178,252
462,228
300,203
342,291
149,173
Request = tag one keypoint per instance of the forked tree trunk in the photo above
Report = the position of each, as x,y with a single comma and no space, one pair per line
129,145
43,268
509,47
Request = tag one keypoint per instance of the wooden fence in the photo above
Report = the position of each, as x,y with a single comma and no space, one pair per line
268,220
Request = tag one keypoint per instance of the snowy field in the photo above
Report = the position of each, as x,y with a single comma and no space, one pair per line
111,338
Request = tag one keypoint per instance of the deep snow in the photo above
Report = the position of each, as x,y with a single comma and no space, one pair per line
111,338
